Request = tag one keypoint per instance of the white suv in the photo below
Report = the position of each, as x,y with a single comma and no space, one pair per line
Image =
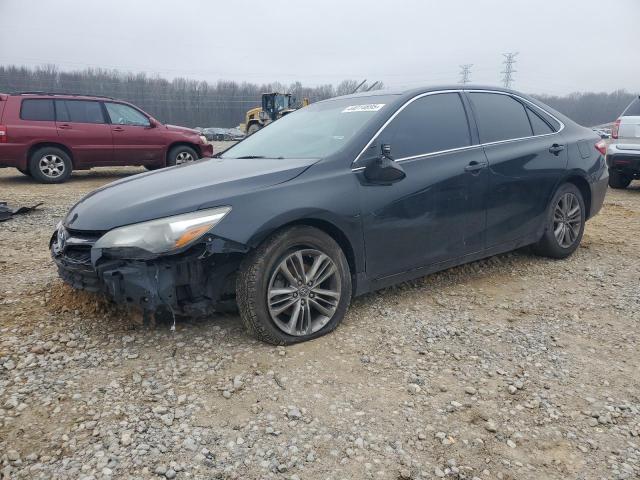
623,154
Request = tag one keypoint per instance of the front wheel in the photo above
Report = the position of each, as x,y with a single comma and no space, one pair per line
181,154
565,222
253,128
618,180
294,287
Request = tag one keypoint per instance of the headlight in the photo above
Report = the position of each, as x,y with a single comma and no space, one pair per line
164,234
203,139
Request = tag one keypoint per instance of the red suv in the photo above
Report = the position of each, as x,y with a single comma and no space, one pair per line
47,136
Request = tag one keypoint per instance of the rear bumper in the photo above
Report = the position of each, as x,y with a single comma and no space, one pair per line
624,158
13,155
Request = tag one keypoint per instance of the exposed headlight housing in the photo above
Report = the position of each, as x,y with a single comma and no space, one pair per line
164,234
203,139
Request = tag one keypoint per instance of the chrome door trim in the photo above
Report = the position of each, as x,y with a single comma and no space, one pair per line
468,147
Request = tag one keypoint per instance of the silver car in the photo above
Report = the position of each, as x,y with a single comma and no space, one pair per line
623,153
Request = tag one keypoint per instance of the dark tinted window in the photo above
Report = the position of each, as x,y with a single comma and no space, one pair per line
633,110
540,127
500,117
81,111
428,124
37,109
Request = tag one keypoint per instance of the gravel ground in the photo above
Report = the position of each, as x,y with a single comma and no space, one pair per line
515,367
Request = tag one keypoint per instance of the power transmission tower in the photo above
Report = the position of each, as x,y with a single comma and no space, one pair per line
509,61
465,73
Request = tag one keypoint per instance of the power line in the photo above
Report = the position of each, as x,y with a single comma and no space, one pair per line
509,61
465,73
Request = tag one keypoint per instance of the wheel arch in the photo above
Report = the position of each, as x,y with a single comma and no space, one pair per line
184,143
331,229
585,189
39,145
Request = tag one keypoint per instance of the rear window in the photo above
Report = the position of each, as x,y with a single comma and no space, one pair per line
633,110
500,117
38,109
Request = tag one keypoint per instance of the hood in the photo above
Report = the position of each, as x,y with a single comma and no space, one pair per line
176,128
181,189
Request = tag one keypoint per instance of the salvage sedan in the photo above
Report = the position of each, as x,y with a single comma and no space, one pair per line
337,199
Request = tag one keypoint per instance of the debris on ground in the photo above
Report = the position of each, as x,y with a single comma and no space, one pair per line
6,212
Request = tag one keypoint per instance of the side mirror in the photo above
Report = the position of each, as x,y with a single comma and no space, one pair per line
383,170
153,123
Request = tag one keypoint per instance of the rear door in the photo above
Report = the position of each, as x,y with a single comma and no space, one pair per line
526,158
83,126
136,141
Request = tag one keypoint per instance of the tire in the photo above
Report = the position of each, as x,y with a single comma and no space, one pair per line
618,180
253,128
261,275
50,165
559,220
181,154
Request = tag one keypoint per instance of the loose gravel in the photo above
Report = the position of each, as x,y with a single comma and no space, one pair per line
514,367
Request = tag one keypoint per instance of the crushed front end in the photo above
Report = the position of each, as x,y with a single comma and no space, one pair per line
195,281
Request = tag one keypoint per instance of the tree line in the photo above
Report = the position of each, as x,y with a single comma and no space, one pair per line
195,103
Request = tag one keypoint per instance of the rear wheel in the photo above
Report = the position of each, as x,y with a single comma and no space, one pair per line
294,287
564,223
618,180
50,165
181,154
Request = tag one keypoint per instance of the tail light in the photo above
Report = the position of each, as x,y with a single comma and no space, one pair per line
601,146
615,129
3,134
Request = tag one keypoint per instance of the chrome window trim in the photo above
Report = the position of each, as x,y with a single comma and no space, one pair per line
468,147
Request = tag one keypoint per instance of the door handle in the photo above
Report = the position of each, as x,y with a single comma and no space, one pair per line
475,166
64,126
556,149
118,129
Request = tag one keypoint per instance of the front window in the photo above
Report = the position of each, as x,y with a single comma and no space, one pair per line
121,114
316,131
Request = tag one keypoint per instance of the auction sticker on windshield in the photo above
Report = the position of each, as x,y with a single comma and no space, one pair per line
371,107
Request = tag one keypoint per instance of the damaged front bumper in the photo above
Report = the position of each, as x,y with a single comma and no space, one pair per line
194,282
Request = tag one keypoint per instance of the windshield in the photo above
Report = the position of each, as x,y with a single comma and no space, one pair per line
316,131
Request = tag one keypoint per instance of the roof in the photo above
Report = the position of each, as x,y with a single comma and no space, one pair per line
58,94
430,88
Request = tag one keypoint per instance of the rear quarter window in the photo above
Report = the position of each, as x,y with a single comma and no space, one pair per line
37,109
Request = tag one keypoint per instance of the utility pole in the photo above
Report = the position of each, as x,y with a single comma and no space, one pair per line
465,73
509,61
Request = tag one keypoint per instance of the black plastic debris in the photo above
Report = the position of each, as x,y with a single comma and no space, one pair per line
6,212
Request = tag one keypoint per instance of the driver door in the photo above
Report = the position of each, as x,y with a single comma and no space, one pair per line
437,212
135,140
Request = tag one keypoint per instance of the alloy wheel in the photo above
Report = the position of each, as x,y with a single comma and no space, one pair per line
51,165
184,157
304,292
567,220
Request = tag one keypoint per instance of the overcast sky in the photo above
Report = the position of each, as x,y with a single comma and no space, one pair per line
564,45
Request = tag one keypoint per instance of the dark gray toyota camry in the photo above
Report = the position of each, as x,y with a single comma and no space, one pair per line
340,198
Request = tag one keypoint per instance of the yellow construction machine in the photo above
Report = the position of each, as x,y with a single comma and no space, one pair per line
274,106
